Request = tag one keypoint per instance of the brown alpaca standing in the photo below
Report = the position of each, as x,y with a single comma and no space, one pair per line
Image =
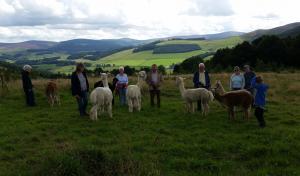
52,93
231,99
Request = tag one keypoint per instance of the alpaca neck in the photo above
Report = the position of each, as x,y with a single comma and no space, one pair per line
139,82
181,88
105,82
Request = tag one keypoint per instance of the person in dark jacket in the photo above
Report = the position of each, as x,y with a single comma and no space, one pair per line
80,88
27,85
248,75
201,79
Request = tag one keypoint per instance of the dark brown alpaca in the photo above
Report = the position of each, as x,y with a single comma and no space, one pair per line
231,99
52,93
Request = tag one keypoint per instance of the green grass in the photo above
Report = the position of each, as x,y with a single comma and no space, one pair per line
165,141
147,58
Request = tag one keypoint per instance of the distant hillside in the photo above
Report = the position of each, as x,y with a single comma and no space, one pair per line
282,31
216,36
32,44
86,45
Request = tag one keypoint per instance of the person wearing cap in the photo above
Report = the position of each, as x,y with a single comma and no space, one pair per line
237,80
201,79
154,80
248,76
80,88
121,85
27,85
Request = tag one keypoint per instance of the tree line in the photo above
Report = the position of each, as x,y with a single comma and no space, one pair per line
267,53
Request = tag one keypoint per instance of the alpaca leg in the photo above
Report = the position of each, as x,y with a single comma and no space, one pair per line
57,98
110,110
139,104
93,112
192,108
130,105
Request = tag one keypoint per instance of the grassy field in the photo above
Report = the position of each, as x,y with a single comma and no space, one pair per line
165,141
147,58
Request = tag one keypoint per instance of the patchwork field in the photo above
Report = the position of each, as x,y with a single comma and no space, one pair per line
165,141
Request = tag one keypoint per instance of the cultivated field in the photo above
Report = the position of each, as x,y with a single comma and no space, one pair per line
165,141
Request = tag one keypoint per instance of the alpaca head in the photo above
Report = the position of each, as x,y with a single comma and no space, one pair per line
179,80
142,75
218,88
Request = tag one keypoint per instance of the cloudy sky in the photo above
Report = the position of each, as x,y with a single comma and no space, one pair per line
58,20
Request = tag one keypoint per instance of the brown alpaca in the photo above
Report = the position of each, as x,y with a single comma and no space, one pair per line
52,93
231,99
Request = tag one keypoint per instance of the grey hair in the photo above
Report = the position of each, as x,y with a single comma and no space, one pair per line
27,68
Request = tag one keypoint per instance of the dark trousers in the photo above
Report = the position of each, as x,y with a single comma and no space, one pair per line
259,114
30,100
154,93
82,103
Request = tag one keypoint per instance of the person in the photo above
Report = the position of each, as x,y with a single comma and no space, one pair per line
259,99
80,88
154,80
237,80
27,85
121,85
201,79
248,76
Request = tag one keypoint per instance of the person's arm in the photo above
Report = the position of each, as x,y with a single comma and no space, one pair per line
208,81
243,82
73,86
230,82
196,79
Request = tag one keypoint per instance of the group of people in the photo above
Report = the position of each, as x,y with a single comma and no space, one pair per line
201,79
239,81
80,86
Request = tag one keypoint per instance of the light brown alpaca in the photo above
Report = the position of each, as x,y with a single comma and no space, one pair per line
231,99
52,93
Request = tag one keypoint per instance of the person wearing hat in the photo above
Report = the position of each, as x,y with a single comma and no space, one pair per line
80,88
27,85
237,80
248,76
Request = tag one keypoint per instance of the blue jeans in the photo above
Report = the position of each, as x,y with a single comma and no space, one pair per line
82,102
30,100
122,94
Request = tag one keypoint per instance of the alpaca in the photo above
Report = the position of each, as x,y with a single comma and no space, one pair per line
52,93
101,98
233,98
133,94
193,95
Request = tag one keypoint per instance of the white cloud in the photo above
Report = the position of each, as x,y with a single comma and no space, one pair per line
66,19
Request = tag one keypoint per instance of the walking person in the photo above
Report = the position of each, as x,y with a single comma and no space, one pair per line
80,88
27,85
154,80
248,76
237,80
201,79
260,99
122,84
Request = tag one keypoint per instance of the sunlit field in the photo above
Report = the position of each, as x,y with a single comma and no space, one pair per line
166,141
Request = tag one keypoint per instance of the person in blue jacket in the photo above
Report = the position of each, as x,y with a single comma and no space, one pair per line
201,79
259,99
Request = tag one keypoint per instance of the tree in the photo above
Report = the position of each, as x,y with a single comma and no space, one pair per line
162,69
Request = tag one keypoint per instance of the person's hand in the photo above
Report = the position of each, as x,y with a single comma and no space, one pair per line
77,96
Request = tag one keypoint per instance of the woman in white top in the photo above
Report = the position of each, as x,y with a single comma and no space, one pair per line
237,80
122,85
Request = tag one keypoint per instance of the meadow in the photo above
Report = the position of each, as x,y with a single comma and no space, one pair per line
166,141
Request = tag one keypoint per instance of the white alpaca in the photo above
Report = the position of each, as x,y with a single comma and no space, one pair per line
193,95
101,98
133,94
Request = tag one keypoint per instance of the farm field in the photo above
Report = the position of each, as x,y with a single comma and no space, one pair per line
147,58
166,141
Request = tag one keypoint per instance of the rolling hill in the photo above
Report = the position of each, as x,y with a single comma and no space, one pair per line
282,31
